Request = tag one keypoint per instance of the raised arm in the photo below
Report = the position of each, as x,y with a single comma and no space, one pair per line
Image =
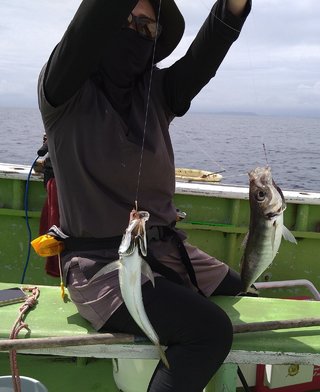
78,53
236,7
192,72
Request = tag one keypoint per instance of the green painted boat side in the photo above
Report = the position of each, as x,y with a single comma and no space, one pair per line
217,221
65,374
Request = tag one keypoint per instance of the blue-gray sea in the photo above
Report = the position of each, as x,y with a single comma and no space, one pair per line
229,143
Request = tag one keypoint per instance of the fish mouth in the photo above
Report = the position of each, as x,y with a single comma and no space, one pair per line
277,205
271,215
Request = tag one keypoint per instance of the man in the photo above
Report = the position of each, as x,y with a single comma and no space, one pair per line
106,109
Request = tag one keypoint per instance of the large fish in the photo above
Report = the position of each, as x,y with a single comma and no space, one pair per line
266,227
131,265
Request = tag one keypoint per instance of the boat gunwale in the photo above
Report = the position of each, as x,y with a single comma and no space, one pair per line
229,191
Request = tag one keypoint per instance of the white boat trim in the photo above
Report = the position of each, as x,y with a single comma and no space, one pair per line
18,172
148,351
241,192
21,172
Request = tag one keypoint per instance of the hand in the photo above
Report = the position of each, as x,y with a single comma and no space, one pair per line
236,6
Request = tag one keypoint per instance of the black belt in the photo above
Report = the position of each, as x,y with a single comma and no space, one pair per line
154,233
87,243
90,243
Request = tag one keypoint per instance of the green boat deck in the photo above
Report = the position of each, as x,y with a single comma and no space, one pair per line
53,317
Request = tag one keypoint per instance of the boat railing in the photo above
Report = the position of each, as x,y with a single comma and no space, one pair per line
290,283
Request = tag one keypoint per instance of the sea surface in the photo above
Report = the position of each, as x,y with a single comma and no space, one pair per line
232,144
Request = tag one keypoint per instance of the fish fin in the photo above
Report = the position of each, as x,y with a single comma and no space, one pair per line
241,262
142,244
163,357
287,235
125,244
146,270
251,292
143,240
284,206
273,237
106,269
245,240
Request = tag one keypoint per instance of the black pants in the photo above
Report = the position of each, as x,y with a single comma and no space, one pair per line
197,332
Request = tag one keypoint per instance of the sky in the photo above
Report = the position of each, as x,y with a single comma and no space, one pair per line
273,68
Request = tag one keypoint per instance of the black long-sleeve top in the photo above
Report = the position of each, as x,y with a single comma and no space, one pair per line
84,43
95,152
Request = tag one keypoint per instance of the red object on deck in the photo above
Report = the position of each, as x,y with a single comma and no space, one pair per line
50,217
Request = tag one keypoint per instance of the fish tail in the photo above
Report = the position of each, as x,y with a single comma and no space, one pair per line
163,357
252,291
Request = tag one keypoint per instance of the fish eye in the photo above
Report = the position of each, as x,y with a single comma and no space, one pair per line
260,196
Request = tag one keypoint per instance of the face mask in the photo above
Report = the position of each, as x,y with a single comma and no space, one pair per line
127,57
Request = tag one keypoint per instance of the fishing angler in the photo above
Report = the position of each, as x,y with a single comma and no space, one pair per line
106,108
266,228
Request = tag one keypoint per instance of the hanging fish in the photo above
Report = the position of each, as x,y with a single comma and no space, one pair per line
266,227
130,266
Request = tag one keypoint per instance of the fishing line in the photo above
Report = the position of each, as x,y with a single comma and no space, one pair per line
249,53
249,57
235,176
199,148
26,209
215,16
265,154
222,169
147,109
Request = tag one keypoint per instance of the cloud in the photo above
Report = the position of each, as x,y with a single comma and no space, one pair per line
28,32
274,65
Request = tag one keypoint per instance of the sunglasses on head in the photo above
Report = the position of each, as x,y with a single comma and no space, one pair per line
146,27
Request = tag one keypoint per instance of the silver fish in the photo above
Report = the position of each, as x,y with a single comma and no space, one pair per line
130,266
266,227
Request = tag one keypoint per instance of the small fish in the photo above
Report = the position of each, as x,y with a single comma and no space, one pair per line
130,266
266,227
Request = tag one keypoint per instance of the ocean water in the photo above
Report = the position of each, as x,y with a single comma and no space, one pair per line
232,144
